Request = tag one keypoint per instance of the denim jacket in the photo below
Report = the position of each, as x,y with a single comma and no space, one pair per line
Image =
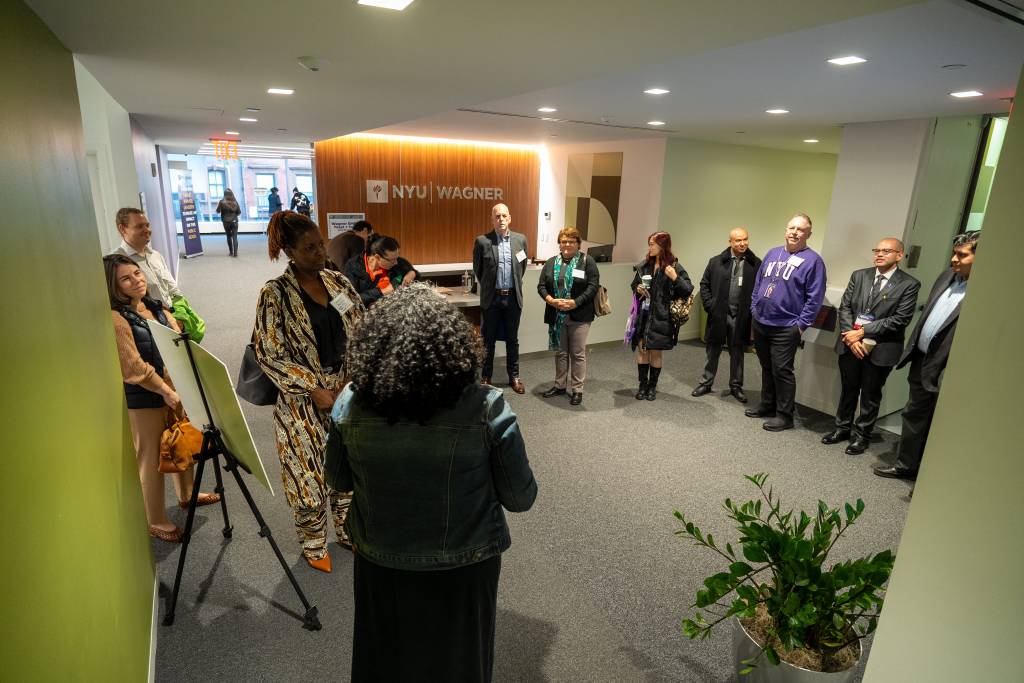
430,496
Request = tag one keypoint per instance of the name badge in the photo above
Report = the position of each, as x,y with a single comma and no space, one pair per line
520,256
341,303
577,273
795,261
739,281
863,320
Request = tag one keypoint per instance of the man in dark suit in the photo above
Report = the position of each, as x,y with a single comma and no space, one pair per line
927,352
725,293
499,260
877,306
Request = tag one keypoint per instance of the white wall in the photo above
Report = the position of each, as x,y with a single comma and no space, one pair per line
109,155
643,162
147,167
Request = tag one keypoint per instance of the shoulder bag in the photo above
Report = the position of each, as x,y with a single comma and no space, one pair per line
179,443
253,385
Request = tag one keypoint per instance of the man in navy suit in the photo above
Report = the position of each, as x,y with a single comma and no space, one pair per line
876,309
927,352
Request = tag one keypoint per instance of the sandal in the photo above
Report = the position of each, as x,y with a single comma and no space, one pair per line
204,499
173,536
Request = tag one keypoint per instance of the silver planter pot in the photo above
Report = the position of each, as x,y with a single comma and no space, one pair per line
765,672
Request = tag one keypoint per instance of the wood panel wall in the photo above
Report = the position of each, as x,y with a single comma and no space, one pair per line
430,229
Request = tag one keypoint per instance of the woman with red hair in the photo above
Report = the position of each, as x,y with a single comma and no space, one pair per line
659,280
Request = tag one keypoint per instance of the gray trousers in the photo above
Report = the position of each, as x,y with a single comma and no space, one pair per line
571,357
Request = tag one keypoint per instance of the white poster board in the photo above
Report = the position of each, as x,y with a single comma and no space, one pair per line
220,395
338,223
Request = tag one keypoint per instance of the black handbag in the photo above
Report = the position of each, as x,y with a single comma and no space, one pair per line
253,384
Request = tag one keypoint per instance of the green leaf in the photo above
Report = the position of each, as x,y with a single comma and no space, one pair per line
738,569
745,670
771,655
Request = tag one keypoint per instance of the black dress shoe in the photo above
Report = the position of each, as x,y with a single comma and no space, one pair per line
777,424
835,436
858,444
701,390
553,391
896,472
576,398
760,411
738,394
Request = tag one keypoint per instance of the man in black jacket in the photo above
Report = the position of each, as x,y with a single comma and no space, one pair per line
725,293
876,308
927,352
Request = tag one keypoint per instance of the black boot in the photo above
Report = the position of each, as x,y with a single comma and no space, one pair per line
652,384
642,370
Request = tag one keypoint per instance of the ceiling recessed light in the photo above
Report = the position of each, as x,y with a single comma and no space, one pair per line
387,4
231,132
655,123
547,110
279,91
776,111
846,61
811,140
248,119
657,91
966,93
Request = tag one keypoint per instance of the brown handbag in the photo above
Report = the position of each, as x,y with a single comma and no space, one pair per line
179,444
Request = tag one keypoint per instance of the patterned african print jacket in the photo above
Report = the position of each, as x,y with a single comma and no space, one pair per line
286,350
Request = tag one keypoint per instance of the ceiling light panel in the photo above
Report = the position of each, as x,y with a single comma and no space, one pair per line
248,119
655,123
231,132
279,91
387,4
776,111
811,141
657,91
547,110
966,93
847,61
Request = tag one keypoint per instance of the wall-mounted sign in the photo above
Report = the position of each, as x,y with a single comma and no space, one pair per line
377,192
225,149
338,223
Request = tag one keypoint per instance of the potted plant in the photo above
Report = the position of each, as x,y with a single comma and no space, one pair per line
790,607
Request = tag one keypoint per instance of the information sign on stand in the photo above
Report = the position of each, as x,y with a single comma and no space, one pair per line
338,223
190,224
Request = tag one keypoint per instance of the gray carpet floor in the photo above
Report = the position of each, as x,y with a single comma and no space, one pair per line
595,583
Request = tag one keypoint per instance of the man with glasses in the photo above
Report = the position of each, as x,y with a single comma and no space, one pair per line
499,261
876,309
377,272
927,353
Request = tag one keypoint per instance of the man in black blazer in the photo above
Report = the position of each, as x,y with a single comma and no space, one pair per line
499,261
927,352
725,292
876,309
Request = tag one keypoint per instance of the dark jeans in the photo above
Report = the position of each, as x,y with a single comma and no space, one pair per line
424,625
863,378
917,419
501,316
776,350
735,358
231,231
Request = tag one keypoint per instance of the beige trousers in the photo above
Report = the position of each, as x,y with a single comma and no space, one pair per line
147,428
571,357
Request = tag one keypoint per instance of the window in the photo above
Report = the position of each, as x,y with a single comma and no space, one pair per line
304,183
216,180
264,181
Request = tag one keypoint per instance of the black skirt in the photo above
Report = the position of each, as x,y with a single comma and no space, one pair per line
424,626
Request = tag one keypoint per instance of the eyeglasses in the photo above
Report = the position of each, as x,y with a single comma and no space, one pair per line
876,252
567,242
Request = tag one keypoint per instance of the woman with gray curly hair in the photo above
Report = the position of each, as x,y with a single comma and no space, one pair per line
432,458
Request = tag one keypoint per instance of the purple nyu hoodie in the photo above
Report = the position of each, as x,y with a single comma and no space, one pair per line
789,288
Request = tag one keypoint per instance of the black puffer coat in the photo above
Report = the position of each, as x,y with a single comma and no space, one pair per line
654,326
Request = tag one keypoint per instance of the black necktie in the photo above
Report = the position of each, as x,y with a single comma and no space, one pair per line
877,286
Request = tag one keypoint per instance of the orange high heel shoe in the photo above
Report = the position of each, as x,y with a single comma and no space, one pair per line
323,564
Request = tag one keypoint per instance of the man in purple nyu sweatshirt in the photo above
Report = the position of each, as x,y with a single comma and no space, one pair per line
788,292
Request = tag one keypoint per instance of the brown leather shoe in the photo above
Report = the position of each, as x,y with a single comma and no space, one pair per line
204,499
517,385
172,536
323,564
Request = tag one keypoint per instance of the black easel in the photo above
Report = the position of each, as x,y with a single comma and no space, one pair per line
213,448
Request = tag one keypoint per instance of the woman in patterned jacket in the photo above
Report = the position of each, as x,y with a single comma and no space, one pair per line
303,321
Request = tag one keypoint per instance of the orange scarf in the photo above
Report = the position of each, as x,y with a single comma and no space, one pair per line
379,276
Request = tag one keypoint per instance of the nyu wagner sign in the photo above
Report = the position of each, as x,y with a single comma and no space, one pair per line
377,192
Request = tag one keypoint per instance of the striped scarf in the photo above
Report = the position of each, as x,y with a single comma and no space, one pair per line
563,286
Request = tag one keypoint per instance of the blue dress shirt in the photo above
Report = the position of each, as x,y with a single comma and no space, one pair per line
504,280
944,306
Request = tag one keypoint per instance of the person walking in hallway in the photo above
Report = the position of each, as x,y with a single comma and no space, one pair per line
927,352
499,261
788,292
568,284
274,203
659,280
725,291
229,212
876,308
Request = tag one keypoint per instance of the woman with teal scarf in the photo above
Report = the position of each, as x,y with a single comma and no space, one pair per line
568,284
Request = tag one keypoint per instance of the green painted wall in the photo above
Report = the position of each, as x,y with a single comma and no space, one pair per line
953,611
708,188
77,571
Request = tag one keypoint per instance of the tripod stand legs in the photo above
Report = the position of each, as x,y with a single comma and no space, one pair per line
223,499
185,538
